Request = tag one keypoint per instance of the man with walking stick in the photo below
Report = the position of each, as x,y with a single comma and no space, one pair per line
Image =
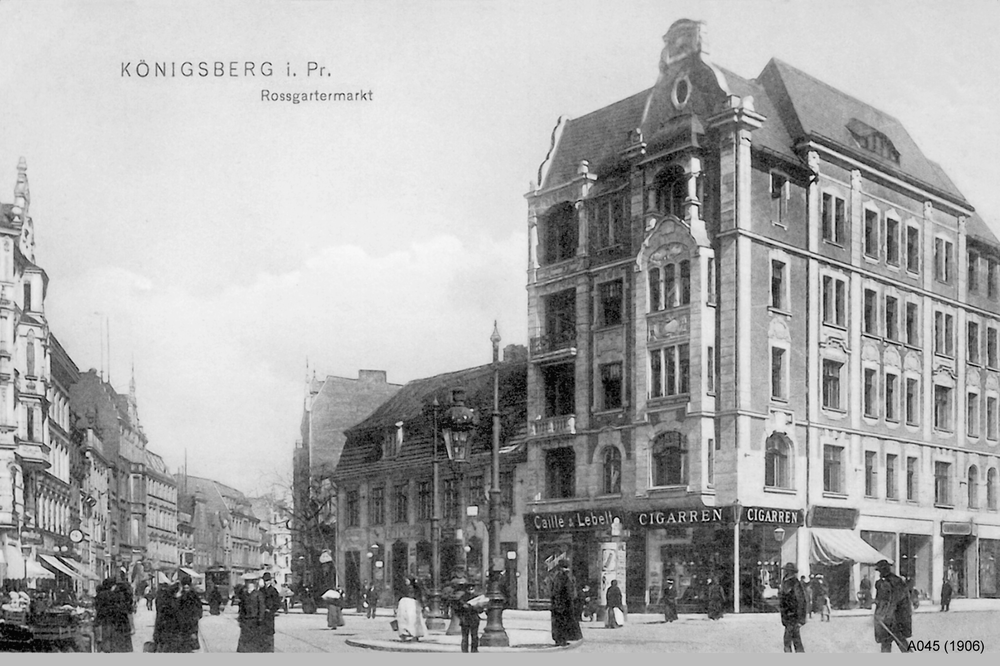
893,611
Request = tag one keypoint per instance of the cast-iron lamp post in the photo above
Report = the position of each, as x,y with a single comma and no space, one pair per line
459,421
435,620
494,634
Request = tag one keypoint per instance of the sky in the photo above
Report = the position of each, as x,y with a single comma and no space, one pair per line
226,243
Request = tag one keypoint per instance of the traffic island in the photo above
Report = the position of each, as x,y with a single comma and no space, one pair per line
521,640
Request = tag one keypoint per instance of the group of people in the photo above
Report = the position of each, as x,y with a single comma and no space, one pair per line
113,619
893,608
258,605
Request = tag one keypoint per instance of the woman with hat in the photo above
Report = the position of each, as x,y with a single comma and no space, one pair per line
669,600
409,613
565,621
793,607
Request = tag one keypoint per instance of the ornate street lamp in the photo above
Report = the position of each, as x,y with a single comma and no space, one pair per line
494,635
457,425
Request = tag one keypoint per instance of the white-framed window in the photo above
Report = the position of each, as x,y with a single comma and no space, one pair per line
913,248
779,285
942,483
777,461
870,312
834,219
944,407
973,268
972,487
670,285
779,198
991,489
871,474
943,249
871,239
992,428
833,469
891,464
944,334
670,371
891,240
832,384
972,413
891,396
834,301
973,342
891,317
779,373
912,324
991,347
870,392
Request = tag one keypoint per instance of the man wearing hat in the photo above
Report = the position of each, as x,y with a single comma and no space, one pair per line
272,603
893,612
793,607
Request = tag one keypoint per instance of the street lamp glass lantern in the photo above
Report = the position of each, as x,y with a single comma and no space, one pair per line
457,426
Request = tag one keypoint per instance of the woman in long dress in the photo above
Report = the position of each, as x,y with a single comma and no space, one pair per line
410,614
565,621
334,601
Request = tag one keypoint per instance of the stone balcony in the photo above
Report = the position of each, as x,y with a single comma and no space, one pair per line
556,425
33,455
553,345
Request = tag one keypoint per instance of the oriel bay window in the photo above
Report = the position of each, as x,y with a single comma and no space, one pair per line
670,191
670,285
668,460
670,371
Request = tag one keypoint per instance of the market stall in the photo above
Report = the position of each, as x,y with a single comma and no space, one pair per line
30,623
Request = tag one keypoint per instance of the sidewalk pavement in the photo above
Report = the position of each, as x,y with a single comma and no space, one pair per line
521,640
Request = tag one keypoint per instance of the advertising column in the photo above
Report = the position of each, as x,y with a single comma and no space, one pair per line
612,568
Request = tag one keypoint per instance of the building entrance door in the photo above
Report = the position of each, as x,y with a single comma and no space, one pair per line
352,577
399,555
955,548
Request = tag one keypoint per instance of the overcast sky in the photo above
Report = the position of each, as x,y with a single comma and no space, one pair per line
227,239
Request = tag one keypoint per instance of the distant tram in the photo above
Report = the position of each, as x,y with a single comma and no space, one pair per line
219,577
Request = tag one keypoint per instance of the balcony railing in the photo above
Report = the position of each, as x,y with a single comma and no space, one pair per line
546,344
557,425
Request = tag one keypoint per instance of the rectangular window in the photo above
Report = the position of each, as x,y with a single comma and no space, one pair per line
991,278
949,335
991,347
991,418
834,305
871,233
477,492
831,384
401,503
944,334
710,280
610,308
832,479
656,373
871,312
560,384
376,506
710,369
450,499
972,414
890,476
973,271
870,393
353,509
912,324
939,333
828,228
973,335
871,474
891,318
778,285
425,500
778,373
711,462
672,364
607,221
913,249
912,401
683,370
891,382
560,473
611,385
840,219
892,241
942,260
943,407
779,199
942,483
911,479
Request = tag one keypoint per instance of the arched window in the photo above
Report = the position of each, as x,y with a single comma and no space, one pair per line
776,461
675,289
669,459
612,471
973,487
991,489
671,191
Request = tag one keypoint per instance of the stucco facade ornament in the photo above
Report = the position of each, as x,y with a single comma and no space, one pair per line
869,353
944,371
663,329
891,358
778,330
991,382
837,343
912,362
972,377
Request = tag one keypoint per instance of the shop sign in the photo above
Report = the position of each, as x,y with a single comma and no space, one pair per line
571,520
662,517
760,514
953,529
833,516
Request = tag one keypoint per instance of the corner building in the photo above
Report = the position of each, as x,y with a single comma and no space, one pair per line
763,330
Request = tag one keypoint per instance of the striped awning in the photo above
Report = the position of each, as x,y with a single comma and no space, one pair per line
78,568
832,547
57,565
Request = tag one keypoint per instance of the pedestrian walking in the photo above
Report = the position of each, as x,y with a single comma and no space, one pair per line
409,613
616,614
893,609
669,601
468,618
820,597
565,624
334,603
178,610
251,611
214,600
588,610
370,596
946,592
111,619
716,599
793,606
272,604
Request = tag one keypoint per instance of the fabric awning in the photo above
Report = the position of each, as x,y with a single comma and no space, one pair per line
78,568
15,561
832,546
192,572
57,564
162,578
32,569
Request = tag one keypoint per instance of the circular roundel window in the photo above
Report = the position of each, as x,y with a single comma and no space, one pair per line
682,92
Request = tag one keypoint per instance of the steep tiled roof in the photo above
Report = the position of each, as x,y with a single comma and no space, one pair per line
815,109
363,448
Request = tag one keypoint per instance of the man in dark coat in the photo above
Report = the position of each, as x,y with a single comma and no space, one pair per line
565,622
893,609
272,604
793,606
946,594
669,601
613,597
371,599
251,611
468,619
